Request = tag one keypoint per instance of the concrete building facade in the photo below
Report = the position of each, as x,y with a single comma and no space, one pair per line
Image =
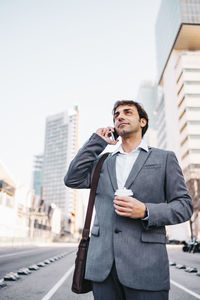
178,61
15,203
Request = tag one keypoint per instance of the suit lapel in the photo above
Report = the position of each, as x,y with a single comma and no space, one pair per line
142,157
111,165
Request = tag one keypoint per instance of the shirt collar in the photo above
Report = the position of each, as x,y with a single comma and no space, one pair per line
143,145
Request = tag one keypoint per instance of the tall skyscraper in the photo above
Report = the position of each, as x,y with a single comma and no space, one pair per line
61,143
178,60
37,174
148,96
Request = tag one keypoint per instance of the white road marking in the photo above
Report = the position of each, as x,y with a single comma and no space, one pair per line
58,284
16,253
185,289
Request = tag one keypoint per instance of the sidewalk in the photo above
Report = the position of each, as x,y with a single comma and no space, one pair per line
26,242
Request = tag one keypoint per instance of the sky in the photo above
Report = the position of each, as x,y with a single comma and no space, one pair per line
58,53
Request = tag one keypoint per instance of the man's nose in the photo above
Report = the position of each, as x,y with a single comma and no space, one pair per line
120,117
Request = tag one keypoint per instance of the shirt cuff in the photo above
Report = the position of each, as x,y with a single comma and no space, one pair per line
146,215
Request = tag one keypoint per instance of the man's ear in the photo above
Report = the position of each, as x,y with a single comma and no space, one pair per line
143,122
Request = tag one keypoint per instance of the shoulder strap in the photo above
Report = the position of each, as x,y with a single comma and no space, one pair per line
95,180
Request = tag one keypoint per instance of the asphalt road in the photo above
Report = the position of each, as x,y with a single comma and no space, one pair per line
12,259
54,280
184,284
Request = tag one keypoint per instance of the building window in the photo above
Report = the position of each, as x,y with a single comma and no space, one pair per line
190,151
197,122
193,95
194,136
194,150
191,70
193,108
194,82
190,137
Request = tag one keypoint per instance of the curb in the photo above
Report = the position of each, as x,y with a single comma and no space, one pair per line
25,271
185,268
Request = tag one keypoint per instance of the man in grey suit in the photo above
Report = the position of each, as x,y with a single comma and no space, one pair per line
127,257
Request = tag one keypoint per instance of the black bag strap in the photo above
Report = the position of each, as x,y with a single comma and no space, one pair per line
95,180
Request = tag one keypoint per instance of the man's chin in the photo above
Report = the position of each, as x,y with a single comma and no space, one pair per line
124,133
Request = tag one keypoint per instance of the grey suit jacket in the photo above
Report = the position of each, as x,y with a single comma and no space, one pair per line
138,247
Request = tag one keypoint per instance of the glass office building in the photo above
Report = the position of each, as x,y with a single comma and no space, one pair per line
37,174
148,96
60,146
176,29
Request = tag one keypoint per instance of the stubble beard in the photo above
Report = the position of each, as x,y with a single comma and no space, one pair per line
125,133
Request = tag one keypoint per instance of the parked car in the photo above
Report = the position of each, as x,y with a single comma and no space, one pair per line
192,246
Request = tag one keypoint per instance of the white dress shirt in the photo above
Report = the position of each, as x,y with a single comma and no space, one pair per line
125,162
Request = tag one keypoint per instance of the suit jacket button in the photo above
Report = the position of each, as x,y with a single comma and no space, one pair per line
117,230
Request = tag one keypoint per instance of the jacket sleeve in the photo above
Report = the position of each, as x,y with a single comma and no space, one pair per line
178,206
80,170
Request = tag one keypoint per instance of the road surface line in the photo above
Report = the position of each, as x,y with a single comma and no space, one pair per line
185,289
16,253
58,284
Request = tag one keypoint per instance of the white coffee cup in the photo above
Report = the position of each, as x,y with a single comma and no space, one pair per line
123,192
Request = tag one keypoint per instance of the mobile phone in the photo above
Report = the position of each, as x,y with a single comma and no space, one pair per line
114,135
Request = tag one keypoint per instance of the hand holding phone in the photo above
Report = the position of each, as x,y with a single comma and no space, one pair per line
108,134
114,135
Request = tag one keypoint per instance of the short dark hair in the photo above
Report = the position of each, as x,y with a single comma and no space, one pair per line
142,113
